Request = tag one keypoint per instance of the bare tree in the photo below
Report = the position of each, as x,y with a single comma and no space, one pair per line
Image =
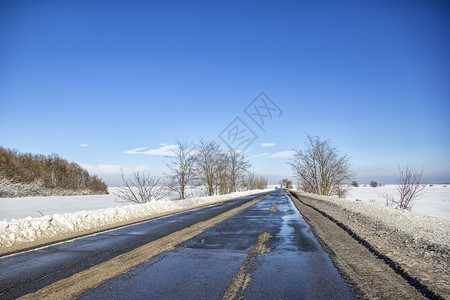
320,168
261,182
286,183
342,190
141,188
253,181
182,169
373,183
411,186
223,185
248,182
238,166
208,163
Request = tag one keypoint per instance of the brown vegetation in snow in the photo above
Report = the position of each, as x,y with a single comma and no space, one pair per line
45,172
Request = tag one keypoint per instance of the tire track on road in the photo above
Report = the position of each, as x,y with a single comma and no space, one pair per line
243,277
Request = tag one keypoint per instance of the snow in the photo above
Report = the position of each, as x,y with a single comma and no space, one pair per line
19,208
434,201
65,215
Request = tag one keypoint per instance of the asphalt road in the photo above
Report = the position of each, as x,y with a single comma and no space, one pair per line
264,252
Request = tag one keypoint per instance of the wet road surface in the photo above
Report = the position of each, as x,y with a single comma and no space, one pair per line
267,251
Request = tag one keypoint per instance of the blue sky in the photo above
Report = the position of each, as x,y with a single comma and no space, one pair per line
94,80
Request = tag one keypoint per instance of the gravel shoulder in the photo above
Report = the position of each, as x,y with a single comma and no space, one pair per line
383,253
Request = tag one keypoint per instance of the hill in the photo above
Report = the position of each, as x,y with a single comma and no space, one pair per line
26,174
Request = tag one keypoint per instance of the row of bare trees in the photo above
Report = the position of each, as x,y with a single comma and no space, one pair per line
202,164
252,181
141,187
319,168
205,163
52,170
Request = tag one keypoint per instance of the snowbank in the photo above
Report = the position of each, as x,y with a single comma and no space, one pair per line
29,230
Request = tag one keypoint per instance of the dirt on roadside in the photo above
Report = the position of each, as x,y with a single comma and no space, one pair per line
368,269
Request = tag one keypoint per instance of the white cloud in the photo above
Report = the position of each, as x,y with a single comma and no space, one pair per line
112,169
84,145
283,154
239,151
267,144
103,169
259,155
164,150
111,173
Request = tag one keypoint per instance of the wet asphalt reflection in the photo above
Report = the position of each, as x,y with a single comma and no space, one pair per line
230,259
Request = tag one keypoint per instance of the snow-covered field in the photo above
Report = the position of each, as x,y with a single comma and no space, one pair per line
434,201
20,208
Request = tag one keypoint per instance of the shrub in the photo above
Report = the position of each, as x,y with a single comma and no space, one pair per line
51,172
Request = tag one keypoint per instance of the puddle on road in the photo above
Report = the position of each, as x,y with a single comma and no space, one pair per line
286,234
295,234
